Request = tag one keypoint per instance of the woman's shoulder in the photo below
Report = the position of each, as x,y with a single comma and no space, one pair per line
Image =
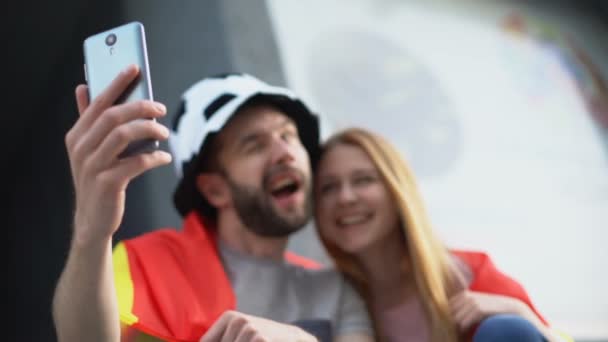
485,275
472,258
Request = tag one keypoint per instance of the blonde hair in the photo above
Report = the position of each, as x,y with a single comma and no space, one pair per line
428,259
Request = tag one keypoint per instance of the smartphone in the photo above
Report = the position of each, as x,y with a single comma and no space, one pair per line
106,54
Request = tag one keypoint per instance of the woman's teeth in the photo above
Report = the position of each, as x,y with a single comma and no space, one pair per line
352,219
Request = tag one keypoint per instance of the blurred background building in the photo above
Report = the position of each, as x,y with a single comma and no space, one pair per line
500,106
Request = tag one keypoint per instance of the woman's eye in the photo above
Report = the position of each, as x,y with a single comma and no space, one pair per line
326,188
363,180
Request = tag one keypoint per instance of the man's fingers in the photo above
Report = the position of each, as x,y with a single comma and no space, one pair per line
111,120
246,334
235,325
94,107
82,102
131,167
226,328
82,98
118,140
141,163
118,86
216,331
120,115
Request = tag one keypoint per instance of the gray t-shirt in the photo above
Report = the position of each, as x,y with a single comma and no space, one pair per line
321,301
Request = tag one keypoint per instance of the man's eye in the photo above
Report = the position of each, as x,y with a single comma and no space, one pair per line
253,147
288,135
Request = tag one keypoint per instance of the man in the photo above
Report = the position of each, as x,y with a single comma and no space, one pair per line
243,151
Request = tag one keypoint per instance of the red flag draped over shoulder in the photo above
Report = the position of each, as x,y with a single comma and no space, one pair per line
487,278
171,284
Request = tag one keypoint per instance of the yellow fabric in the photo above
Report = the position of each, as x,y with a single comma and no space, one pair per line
565,337
124,284
130,334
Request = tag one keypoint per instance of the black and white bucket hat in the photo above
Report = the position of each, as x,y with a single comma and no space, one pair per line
206,107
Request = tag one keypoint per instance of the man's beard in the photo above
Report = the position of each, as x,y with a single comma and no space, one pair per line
255,209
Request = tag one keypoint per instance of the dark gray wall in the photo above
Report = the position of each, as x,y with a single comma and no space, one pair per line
186,39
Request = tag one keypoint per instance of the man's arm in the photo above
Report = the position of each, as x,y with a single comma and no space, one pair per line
84,305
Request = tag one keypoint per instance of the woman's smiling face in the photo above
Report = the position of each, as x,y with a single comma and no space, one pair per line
354,208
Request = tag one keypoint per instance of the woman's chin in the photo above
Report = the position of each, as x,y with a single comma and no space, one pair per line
353,246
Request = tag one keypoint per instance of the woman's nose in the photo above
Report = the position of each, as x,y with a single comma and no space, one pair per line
346,194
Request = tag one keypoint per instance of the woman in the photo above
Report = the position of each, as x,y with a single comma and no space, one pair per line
372,221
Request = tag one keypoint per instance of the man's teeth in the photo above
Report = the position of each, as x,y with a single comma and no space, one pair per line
282,183
354,219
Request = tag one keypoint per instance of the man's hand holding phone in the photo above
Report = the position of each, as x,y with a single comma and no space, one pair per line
94,144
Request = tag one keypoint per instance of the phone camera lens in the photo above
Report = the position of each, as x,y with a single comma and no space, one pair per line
110,39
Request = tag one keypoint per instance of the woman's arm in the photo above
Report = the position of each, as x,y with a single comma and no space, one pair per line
471,307
522,309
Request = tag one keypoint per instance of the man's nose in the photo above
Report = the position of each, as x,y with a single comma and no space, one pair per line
281,151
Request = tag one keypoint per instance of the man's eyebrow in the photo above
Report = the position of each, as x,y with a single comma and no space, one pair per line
248,138
288,122
256,135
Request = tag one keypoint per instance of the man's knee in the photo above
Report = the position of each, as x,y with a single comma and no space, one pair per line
506,328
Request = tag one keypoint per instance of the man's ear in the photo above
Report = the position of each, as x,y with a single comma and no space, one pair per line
214,188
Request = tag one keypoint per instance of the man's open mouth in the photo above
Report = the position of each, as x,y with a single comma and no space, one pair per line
285,185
